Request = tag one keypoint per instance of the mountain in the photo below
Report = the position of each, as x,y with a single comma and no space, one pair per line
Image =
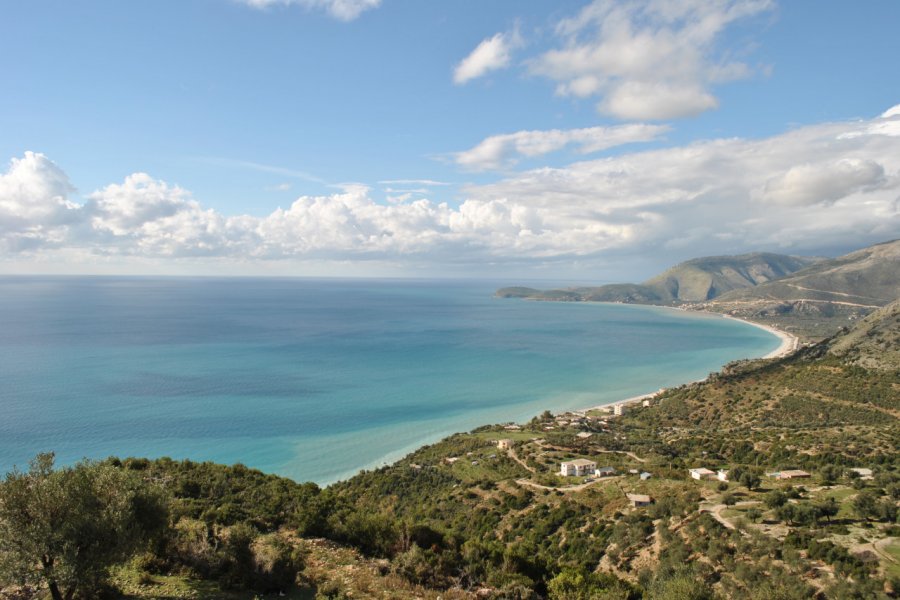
819,299
706,278
691,281
810,297
867,278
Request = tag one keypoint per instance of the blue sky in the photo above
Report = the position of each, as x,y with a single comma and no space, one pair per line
398,137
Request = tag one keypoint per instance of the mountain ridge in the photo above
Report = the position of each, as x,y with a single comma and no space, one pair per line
812,297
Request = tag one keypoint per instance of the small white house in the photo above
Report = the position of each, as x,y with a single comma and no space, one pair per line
639,499
605,472
863,473
578,467
722,475
583,434
792,474
645,403
504,444
645,476
702,473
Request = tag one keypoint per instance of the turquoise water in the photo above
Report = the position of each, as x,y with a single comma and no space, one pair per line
317,379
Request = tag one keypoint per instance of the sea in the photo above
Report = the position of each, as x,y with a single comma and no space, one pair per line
316,379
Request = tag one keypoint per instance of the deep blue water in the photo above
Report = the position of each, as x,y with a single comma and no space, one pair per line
316,379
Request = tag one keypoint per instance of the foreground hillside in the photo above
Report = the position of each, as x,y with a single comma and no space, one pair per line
810,297
465,518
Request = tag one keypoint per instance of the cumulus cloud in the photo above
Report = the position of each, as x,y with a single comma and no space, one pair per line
345,10
35,209
491,54
647,59
794,191
500,151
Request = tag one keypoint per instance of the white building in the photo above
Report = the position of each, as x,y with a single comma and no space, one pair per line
639,499
702,473
792,474
722,475
578,467
619,409
863,473
504,444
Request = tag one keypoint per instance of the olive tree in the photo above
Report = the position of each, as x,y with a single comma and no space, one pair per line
63,528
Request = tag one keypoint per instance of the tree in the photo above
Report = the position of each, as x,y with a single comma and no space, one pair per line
829,474
64,528
865,504
749,480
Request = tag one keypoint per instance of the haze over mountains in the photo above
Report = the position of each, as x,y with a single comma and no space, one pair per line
813,295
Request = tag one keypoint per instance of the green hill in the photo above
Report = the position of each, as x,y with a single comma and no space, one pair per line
873,343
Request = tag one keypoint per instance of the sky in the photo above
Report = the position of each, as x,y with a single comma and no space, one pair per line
515,139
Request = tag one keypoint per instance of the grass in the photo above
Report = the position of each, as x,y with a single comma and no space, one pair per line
892,569
135,585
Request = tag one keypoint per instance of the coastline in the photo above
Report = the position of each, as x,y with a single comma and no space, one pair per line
789,344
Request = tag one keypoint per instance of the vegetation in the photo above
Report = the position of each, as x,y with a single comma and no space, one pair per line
63,529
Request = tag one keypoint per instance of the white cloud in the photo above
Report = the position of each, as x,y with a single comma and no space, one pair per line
139,200
500,151
345,10
823,183
34,206
491,54
815,185
647,59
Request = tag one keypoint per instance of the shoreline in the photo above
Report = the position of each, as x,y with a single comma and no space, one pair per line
790,343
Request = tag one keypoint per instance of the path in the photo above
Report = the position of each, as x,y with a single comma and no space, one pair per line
515,457
800,287
716,512
568,488
631,454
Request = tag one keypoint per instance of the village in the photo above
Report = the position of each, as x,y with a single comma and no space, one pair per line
588,451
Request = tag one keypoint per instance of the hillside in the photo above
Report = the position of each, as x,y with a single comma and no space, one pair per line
874,343
506,519
694,280
810,297
824,296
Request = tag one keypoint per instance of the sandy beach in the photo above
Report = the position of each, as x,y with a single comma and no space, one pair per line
789,344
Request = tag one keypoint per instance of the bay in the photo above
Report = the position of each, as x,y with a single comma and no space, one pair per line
316,379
